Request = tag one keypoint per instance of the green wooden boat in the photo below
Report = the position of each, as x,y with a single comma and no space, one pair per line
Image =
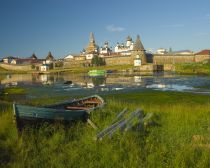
97,73
68,111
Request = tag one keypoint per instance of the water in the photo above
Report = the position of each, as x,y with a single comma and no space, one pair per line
82,84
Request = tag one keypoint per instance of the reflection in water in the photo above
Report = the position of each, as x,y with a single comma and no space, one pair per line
56,83
97,81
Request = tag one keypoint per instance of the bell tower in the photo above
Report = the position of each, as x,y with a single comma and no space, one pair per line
92,47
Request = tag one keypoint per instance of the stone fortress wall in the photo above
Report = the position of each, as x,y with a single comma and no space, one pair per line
153,59
122,60
14,67
173,59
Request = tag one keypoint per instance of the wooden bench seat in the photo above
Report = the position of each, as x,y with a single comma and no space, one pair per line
76,108
92,102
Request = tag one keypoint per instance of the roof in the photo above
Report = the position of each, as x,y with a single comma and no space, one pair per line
33,56
27,61
203,52
182,51
49,56
138,46
129,38
10,57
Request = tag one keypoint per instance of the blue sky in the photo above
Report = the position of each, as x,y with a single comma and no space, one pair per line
63,26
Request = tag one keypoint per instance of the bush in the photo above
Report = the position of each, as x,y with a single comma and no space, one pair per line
97,61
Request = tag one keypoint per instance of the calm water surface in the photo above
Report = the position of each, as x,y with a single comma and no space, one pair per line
82,84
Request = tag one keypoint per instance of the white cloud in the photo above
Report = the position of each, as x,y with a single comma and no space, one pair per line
113,28
208,16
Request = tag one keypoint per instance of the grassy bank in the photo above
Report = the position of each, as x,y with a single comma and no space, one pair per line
193,68
86,69
170,143
2,70
72,69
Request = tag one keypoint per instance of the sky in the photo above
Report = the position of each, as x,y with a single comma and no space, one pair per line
63,26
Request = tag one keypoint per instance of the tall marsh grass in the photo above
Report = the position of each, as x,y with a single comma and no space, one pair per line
168,144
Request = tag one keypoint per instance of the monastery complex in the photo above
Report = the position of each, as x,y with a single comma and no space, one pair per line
133,53
128,53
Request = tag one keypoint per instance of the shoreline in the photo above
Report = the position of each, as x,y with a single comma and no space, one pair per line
181,69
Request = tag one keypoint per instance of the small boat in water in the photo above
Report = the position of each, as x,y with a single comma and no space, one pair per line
68,111
97,73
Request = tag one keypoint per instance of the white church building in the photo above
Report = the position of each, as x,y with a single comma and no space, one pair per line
125,49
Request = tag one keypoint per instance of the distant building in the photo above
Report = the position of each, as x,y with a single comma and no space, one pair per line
203,52
125,49
182,52
80,58
203,55
161,51
8,60
49,59
33,57
138,53
69,57
18,61
44,67
105,49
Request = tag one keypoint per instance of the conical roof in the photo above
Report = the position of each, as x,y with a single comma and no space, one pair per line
92,39
49,56
92,46
138,46
129,38
33,56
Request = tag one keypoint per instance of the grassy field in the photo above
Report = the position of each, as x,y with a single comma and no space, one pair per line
179,139
193,68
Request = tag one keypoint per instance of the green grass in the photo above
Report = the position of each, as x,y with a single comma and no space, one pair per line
193,68
71,70
15,90
2,70
86,69
13,94
168,144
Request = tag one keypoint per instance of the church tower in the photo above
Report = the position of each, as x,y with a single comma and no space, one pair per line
92,47
138,52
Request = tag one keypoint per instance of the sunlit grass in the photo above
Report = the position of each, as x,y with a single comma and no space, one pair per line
169,143
193,68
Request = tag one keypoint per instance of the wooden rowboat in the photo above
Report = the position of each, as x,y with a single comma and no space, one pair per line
68,111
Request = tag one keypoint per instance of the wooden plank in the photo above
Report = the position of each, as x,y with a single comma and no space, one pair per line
120,115
131,123
122,125
92,124
111,129
101,134
147,117
76,108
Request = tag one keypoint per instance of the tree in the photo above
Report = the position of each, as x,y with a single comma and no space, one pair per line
33,66
59,64
97,61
